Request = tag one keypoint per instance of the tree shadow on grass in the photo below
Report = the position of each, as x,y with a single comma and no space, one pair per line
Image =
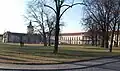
47,52
70,54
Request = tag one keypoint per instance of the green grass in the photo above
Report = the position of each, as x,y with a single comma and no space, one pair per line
36,53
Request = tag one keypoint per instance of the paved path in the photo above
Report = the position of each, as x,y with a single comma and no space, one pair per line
104,64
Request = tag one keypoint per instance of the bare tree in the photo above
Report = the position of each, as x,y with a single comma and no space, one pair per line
105,14
59,4
92,29
93,12
51,27
116,15
40,15
89,26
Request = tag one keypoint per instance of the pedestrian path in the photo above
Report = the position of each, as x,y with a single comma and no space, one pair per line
95,64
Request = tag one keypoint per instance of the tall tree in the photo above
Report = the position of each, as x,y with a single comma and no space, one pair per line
59,4
40,15
116,15
89,25
105,14
51,27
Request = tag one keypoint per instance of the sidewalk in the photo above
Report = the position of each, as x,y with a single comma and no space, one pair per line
66,66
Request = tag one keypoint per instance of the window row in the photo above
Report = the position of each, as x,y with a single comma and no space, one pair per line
69,38
75,38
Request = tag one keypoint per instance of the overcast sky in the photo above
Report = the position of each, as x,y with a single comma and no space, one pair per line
11,18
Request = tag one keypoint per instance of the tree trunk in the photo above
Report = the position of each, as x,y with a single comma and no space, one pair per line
106,38
49,43
106,42
112,38
102,43
21,41
56,38
103,40
111,41
117,35
44,39
57,33
96,39
92,40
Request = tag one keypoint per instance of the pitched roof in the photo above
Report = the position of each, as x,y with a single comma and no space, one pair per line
19,33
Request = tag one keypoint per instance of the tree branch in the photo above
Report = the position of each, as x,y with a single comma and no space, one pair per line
64,5
71,7
51,8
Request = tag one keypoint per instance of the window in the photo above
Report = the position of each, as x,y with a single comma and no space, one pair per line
79,38
68,38
63,38
83,38
72,38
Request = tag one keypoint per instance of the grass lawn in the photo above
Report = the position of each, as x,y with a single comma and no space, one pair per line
36,53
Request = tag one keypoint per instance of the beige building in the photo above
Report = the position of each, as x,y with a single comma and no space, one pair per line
81,38
75,38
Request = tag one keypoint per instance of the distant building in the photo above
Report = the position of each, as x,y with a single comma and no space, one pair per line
80,38
29,37
75,38
30,28
11,37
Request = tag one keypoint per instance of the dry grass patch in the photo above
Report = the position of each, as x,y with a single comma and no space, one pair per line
39,54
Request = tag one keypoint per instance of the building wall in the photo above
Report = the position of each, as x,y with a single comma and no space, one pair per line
63,39
75,39
13,38
16,38
5,37
83,39
115,40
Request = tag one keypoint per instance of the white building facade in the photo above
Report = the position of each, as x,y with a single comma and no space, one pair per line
75,38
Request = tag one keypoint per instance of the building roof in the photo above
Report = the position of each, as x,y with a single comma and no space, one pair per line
72,34
8,32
